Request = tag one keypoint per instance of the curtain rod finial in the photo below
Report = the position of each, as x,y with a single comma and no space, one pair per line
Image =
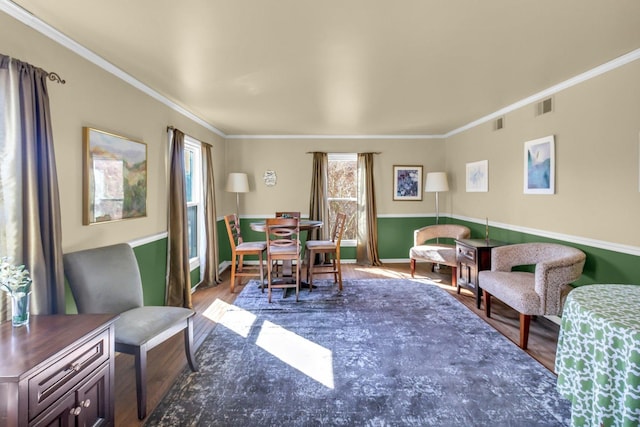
54,77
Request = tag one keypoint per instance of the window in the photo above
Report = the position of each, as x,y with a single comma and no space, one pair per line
342,186
193,183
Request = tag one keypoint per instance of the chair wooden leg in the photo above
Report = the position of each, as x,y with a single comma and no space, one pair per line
188,345
269,268
525,322
413,267
339,268
487,303
232,284
261,273
312,258
141,381
454,277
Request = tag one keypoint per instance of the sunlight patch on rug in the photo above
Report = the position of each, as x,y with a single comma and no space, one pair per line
231,316
311,359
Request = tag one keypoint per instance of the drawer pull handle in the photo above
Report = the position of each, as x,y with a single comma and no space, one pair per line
76,411
76,367
86,403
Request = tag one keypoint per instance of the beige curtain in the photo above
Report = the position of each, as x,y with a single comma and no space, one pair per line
318,209
210,275
178,275
30,224
367,244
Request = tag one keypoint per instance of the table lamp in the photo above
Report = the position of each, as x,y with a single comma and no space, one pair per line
237,182
436,182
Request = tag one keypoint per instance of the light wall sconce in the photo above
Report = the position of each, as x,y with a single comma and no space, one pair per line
237,182
436,182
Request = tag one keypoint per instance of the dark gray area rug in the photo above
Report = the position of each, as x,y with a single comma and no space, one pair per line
379,353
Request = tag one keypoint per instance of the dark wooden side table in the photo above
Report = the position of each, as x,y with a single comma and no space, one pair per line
58,370
473,256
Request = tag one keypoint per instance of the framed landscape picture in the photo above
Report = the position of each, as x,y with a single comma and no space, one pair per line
407,183
114,177
539,166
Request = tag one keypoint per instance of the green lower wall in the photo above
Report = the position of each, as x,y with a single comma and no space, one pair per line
395,238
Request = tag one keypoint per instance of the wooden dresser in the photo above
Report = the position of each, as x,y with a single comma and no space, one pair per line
58,370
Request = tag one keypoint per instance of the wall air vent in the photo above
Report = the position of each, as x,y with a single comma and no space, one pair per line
545,106
498,123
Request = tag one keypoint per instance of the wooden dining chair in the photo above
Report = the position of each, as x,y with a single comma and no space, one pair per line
331,249
240,248
289,214
283,244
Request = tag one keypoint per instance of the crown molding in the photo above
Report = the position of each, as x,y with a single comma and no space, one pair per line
37,24
401,136
580,78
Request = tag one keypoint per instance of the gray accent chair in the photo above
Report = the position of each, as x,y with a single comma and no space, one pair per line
540,293
426,246
107,280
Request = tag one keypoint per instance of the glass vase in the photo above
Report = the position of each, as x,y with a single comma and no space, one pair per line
20,308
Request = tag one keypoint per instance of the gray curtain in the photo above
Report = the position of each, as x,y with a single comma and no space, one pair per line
178,274
210,275
36,233
367,244
318,209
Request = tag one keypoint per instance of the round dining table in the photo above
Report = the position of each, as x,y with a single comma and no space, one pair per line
598,355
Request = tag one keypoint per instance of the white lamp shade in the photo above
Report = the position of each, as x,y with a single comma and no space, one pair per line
436,181
237,183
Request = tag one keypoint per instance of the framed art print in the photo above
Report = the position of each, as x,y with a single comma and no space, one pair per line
539,166
478,176
114,177
407,183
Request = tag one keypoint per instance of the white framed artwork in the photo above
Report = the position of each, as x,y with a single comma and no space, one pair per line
478,177
539,166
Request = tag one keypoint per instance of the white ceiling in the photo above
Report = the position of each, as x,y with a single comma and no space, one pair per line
347,67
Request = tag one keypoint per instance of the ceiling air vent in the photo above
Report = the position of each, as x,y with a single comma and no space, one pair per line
498,124
545,106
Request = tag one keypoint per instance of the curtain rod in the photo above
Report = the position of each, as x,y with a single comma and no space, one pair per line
55,77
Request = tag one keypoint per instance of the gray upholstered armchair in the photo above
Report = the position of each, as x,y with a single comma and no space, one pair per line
107,280
538,293
426,246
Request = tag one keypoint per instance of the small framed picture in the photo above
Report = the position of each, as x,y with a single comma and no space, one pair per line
478,177
407,183
539,166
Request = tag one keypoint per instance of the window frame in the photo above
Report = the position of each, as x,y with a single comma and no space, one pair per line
344,157
194,146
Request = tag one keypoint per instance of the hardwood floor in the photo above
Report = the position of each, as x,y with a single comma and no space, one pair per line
167,361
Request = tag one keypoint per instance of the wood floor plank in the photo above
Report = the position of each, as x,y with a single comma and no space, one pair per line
167,361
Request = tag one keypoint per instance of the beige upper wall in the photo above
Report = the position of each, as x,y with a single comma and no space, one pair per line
291,161
92,97
596,126
595,123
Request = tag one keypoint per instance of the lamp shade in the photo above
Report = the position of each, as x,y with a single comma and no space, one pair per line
237,182
436,181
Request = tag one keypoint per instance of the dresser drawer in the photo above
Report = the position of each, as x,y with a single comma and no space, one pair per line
465,254
49,385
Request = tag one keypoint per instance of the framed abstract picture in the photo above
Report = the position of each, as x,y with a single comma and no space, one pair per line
539,166
478,176
407,183
114,177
